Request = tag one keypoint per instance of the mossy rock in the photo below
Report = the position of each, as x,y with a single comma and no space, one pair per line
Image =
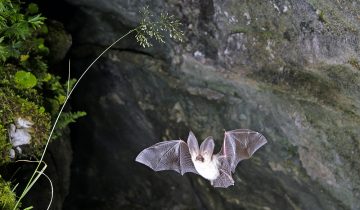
299,81
13,107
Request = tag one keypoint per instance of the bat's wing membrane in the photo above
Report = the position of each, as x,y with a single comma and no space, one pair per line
225,179
240,144
168,155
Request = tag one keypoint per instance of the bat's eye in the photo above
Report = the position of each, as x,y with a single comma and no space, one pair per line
200,158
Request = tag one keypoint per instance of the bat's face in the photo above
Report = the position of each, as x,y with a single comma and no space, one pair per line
205,163
206,150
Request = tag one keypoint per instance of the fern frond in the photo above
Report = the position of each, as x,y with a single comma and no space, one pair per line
36,21
65,119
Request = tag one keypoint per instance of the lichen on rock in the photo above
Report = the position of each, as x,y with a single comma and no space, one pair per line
20,128
20,132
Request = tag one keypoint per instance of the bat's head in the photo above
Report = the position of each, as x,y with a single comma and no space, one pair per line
205,152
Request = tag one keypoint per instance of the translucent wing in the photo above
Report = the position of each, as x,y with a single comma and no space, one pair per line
225,179
168,155
238,145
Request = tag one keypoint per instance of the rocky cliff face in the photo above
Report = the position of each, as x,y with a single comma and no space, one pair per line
286,68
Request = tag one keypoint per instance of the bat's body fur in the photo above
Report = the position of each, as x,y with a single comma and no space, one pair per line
208,167
187,156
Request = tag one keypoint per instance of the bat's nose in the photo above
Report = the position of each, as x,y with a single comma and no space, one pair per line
200,158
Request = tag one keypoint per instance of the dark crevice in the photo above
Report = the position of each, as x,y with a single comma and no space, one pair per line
100,48
132,50
57,10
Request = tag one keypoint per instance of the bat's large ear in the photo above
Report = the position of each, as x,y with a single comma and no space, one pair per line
207,147
193,144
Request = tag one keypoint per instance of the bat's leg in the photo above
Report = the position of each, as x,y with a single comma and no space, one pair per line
212,182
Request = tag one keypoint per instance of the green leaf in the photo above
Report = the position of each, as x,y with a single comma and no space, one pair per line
18,30
42,48
32,8
61,99
44,29
41,110
36,21
65,119
69,117
4,53
25,80
46,77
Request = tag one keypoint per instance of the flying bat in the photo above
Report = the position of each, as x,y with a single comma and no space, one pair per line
184,157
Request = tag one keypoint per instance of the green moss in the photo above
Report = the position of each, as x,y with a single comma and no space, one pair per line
5,146
329,85
238,30
7,196
301,82
354,63
334,19
321,16
13,107
342,76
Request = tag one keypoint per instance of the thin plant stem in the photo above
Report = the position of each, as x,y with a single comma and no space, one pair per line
52,189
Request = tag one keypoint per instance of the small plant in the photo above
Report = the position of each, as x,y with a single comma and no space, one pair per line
321,16
7,195
153,28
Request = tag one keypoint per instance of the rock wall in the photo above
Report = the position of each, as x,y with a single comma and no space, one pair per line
288,69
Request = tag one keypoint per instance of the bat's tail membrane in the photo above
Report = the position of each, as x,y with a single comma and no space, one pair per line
224,180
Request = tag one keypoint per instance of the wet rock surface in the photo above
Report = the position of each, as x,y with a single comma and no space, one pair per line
288,69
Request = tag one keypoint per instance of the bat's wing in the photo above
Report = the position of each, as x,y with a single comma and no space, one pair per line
225,179
168,155
238,145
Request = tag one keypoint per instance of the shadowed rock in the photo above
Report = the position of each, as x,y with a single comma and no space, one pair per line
288,69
